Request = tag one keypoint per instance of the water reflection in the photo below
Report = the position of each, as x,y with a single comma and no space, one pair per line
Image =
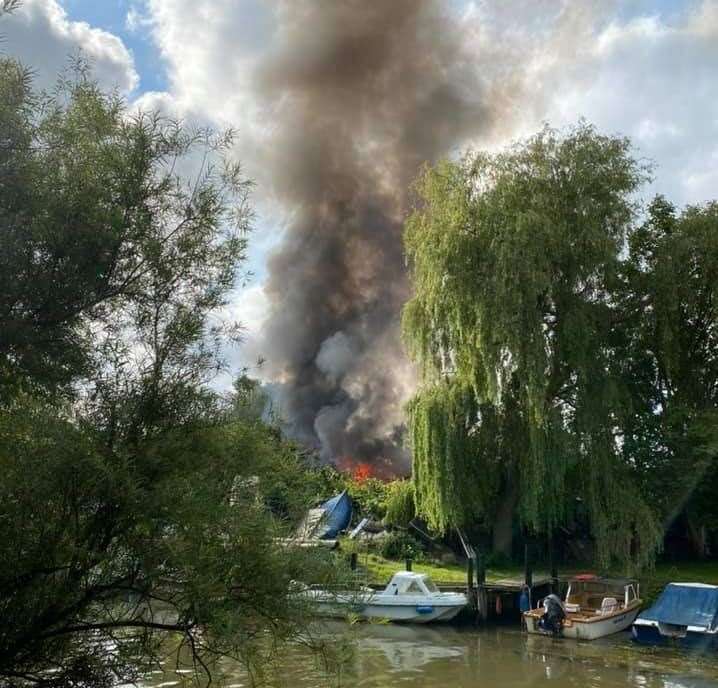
437,656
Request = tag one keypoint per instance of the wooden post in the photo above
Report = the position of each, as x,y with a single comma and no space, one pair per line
353,561
552,562
482,598
528,574
480,569
408,563
482,603
470,583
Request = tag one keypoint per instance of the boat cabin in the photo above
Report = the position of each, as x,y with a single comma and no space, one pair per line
410,583
589,594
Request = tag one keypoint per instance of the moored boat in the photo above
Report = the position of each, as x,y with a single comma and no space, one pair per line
685,614
594,607
410,598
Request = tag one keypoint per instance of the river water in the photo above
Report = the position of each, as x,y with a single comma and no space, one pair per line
437,656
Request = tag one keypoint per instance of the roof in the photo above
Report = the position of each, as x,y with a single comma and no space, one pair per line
409,574
402,580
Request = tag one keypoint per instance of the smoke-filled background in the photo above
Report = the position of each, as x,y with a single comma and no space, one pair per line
360,95
337,104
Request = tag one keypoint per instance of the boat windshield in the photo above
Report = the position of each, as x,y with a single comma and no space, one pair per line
591,593
430,585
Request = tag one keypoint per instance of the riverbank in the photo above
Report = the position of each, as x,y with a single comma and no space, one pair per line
379,570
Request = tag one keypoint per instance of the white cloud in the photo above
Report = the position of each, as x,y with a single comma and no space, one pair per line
137,20
651,76
41,35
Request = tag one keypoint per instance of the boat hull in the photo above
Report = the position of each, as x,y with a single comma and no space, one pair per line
647,632
374,608
586,630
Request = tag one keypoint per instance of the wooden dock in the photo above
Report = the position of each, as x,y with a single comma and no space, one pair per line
496,599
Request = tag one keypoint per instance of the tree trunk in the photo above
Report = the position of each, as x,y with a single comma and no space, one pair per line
503,530
696,536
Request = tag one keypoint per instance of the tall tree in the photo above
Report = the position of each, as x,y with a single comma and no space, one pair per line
514,258
671,361
134,502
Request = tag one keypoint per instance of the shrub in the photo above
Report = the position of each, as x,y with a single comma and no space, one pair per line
400,509
401,545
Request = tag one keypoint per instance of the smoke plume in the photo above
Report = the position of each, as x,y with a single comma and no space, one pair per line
359,95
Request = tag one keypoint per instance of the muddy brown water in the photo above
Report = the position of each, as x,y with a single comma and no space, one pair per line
436,656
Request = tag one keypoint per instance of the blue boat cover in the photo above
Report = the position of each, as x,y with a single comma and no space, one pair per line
686,605
339,514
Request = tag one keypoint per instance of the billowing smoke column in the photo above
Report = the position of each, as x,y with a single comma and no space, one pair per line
359,96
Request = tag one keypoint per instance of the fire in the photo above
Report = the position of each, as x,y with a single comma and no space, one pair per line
363,470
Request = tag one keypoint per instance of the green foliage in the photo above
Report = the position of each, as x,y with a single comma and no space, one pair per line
368,495
400,545
100,232
671,359
135,502
193,541
400,507
514,258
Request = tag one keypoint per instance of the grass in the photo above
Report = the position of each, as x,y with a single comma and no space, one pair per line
379,570
679,572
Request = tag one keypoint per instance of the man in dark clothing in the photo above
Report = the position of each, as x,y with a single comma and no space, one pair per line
553,615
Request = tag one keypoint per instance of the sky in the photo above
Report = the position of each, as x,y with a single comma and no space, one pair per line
643,68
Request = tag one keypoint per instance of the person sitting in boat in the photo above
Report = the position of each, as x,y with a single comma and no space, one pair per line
553,614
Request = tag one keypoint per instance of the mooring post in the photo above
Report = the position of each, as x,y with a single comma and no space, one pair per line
528,574
480,569
408,563
470,591
482,598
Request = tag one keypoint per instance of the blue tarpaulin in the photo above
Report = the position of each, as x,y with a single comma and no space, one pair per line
686,605
338,515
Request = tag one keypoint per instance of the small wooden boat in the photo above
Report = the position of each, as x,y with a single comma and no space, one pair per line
685,614
594,607
410,598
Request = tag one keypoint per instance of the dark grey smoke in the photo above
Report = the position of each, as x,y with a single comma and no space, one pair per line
361,93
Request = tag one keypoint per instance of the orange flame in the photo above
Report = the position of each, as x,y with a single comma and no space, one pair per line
362,470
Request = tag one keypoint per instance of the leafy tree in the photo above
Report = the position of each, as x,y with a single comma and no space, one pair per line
671,360
134,499
514,259
400,507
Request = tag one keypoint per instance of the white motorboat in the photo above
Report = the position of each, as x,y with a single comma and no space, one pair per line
594,607
410,598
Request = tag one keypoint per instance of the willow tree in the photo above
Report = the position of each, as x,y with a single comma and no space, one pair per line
514,258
